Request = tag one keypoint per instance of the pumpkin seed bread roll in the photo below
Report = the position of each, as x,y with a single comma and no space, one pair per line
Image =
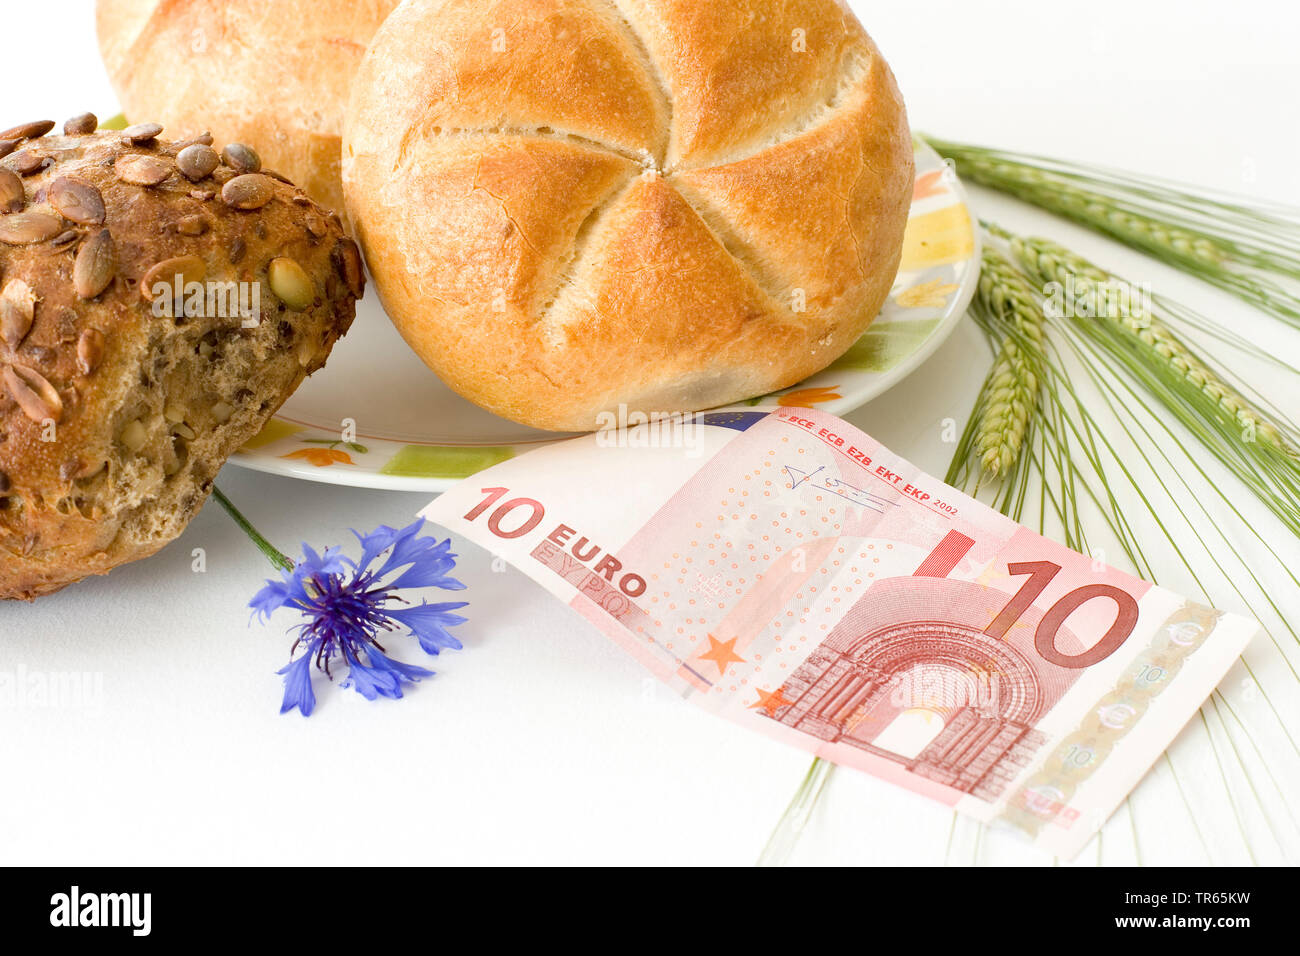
275,73
158,302
572,205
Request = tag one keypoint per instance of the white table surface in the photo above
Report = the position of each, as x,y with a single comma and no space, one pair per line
543,743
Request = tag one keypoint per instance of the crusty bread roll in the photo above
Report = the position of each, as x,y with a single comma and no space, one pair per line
274,73
117,407
569,205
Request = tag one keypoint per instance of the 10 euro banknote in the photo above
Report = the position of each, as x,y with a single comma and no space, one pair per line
784,569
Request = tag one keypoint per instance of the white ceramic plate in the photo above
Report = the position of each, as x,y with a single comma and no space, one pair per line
376,417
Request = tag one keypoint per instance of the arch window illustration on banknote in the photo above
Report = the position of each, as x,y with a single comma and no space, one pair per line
919,644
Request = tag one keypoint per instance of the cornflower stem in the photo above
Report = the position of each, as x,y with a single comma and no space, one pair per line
277,558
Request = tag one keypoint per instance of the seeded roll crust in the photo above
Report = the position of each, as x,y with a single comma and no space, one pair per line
274,73
568,205
119,403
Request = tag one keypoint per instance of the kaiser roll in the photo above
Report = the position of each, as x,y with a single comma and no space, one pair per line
273,73
572,205
119,402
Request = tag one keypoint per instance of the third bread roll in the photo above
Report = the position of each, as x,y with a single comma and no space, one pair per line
569,205
275,73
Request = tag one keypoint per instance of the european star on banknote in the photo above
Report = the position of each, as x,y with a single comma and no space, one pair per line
785,570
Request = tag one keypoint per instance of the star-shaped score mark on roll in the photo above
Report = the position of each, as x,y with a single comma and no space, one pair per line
722,653
769,701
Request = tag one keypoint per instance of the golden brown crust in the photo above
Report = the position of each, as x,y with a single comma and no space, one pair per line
273,74
114,414
668,204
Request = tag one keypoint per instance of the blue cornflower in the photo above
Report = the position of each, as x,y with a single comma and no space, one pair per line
346,606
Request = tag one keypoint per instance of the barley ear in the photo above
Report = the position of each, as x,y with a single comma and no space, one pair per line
1048,261
1011,391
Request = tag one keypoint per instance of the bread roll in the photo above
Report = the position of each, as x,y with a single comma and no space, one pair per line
274,73
571,205
116,407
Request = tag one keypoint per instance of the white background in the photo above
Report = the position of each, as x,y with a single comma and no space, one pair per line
541,743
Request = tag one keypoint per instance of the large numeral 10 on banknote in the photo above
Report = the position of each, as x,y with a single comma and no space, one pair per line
784,569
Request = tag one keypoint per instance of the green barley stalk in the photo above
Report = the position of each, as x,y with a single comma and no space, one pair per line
1067,469
1180,316
1238,246
1111,298
1261,450
1076,442
1079,468
1142,422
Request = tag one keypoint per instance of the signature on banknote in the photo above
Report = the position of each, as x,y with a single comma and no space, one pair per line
839,488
